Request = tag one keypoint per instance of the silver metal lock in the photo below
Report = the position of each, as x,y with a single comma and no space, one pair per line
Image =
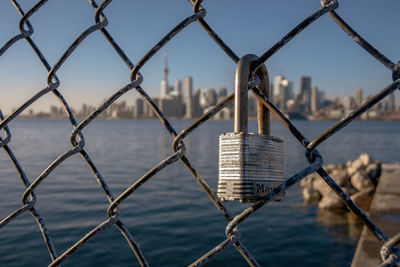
250,164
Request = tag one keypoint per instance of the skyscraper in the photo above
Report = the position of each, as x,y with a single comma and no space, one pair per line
178,88
276,90
187,88
203,99
138,111
212,97
282,91
223,92
391,102
304,98
358,96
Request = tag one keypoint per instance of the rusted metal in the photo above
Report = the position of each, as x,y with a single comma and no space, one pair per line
389,252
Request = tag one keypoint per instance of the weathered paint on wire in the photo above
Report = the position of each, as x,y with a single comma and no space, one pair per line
390,253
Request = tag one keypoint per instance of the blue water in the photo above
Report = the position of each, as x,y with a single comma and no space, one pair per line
170,216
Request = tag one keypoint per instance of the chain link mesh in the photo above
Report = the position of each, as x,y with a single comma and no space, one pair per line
389,253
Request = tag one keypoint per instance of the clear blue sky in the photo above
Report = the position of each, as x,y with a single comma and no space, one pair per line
93,72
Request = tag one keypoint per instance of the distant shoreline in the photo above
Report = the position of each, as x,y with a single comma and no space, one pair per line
193,119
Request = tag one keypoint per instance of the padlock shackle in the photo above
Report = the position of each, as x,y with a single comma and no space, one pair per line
241,96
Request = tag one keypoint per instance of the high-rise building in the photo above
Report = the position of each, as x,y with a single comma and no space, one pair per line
321,99
178,88
203,98
314,105
391,103
164,89
305,93
197,110
212,97
358,96
276,90
171,107
187,99
138,111
223,92
282,91
348,103
148,111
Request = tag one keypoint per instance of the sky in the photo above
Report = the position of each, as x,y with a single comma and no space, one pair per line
94,71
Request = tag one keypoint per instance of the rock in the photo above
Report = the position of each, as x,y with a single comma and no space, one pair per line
365,159
310,195
354,167
374,171
341,166
330,167
331,202
363,199
321,186
349,189
307,181
340,176
360,180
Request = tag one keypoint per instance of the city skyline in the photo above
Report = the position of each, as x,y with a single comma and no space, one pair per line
182,101
322,51
307,99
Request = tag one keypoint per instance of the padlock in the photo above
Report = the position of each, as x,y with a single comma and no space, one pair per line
250,164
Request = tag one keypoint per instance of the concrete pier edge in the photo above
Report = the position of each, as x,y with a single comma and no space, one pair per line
385,213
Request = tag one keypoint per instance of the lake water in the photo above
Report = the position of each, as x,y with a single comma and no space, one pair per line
170,216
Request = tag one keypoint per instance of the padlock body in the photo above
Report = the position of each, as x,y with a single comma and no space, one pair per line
250,166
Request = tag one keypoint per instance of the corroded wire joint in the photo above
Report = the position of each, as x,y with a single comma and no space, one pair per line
24,20
197,6
99,11
6,140
112,208
390,254
326,3
48,170
396,71
312,155
178,28
51,75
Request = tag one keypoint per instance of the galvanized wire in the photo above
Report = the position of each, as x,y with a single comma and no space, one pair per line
389,253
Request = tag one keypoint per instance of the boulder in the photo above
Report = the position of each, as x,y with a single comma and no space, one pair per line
365,159
330,167
363,198
331,202
310,195
307,181
321,186
341,166
374,171
349,189
359,164
360,180
340,176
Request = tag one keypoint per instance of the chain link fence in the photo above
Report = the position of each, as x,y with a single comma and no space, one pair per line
389,253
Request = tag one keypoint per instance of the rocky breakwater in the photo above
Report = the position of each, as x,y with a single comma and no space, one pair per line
357,178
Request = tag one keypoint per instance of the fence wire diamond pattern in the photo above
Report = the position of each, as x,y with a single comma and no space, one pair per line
389,253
